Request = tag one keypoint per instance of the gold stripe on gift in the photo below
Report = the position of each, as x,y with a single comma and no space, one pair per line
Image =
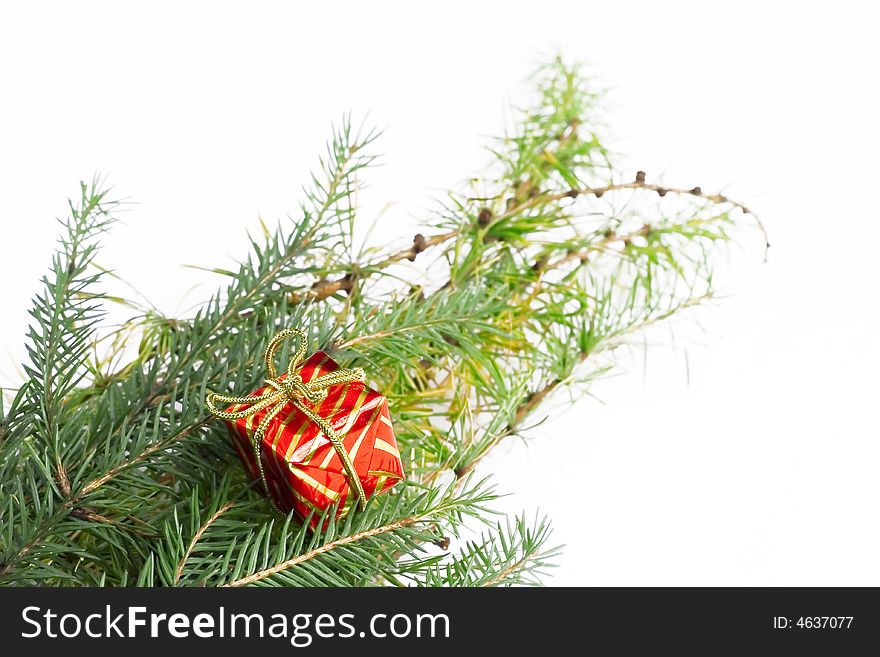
386,447
384,473
316,442
344,431
367,426
311,481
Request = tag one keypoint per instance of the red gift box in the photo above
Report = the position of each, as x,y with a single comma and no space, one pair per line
303,470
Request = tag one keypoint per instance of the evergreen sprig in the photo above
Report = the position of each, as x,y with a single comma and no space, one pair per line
114,474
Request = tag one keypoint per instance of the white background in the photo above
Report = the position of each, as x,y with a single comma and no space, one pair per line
748,458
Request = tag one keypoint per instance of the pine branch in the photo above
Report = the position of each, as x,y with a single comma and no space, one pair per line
113,475
65,314
340,554
513,554
198,535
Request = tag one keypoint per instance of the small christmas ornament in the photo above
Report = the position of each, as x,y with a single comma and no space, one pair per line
315,436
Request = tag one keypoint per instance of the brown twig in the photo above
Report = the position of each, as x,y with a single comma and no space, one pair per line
152,449
197,538
327,547
506,572
324,288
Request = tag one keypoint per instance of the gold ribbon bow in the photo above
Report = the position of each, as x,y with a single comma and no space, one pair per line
291,388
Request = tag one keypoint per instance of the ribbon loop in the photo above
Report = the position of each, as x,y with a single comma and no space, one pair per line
290,388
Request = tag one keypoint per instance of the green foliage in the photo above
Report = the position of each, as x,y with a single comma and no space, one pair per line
113,474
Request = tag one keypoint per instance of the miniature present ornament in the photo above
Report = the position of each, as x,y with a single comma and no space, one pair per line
315,436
